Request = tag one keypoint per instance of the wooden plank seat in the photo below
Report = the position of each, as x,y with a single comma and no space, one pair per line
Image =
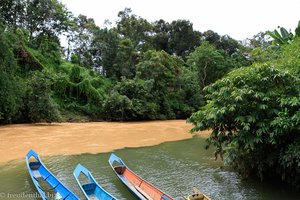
44,172
62,191
53,182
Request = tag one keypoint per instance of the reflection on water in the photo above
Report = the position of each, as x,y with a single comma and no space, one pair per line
174,167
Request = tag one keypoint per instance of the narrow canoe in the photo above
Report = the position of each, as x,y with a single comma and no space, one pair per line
197,195
39,173
92,190
139,187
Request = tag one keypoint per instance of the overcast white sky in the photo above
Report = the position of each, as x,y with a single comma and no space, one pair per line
237,18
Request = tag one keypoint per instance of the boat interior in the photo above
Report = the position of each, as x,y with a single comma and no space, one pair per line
41,174
138,184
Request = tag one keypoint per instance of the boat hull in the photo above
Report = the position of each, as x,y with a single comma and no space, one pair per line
138,186
39,173
91,190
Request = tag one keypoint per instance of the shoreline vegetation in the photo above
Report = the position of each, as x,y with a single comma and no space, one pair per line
91,137
246,92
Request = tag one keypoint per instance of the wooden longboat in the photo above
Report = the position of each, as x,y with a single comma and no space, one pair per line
197,195
138,186
39,173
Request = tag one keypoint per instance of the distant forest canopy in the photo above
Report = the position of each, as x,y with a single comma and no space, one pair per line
247,93
137,70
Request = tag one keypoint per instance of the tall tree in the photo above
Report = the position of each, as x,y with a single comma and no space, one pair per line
12,12
135,28
161,35
125,61
183,38
46,17
140,95
208,62
261,39
211,36
12,88
225,43
164,69
104,49
80,40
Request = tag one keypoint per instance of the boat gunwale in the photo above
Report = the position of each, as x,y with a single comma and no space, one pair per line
40,189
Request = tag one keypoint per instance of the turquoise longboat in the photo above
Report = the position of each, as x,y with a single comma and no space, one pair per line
92,190
39,173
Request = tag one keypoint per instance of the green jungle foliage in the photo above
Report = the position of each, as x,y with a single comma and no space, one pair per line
246,93
137,70
254,115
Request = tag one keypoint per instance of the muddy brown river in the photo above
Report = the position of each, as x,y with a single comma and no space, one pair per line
162,152
78,138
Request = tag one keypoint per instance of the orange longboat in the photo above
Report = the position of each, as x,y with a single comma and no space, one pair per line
138,186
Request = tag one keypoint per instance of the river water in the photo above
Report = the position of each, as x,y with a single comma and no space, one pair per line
174,167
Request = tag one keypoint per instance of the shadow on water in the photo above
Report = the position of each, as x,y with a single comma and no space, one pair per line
174,167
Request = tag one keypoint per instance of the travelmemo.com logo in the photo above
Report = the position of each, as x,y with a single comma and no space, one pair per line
23,195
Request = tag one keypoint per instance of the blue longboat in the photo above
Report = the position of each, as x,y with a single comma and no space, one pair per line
39,173
92,190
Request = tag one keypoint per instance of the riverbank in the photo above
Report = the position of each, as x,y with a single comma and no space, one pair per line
92,137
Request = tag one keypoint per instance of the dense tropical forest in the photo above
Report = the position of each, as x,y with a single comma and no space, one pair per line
59,67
